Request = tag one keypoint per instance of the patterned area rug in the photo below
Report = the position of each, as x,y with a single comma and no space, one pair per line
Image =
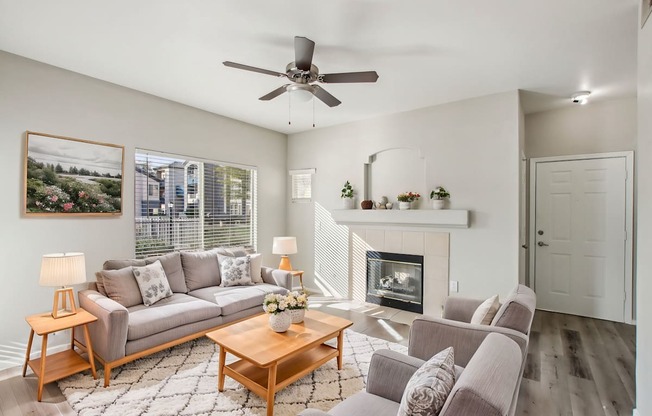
183,381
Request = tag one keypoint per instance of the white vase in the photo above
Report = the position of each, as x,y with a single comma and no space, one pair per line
348,203
280,322
297,315
438,203
402,205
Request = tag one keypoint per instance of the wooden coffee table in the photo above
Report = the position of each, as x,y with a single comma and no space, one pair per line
271,361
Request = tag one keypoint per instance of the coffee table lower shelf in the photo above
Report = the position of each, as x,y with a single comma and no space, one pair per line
256,378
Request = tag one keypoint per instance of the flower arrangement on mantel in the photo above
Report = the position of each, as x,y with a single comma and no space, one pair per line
347,190
408,197
439,193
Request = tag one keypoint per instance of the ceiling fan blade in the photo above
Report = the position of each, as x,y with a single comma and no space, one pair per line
303,50
275,93
367,76
325,96
252,69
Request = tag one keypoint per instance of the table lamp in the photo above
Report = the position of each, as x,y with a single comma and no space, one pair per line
284,246
61,270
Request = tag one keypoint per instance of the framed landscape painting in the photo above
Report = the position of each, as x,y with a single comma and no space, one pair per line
67,177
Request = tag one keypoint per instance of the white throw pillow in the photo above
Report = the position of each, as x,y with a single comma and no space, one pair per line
486,311
235,271
256,267
152,282
429,387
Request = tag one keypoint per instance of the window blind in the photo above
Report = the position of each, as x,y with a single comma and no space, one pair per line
191,204
301,184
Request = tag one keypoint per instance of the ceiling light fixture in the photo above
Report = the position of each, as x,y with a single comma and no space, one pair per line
580,97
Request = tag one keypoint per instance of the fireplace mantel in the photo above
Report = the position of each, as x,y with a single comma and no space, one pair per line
430,218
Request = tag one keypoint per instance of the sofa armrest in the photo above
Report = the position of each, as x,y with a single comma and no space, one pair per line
277,277
389,373
109,332
313,412
428,336
460,309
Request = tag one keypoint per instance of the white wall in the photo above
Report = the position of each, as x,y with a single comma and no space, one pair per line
597,127
471,147
644,227
38,97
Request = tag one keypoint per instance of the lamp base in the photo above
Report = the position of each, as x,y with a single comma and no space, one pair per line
64,296
285,264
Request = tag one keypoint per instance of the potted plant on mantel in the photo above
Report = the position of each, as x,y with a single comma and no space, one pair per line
438,197
406,199
348,199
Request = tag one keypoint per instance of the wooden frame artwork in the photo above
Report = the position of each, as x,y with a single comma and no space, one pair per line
646,9
68,177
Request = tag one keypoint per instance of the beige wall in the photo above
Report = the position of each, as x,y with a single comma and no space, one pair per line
38,97
597,127
471,147
644,224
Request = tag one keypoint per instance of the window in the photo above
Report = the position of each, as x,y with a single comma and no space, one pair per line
302,185
184,204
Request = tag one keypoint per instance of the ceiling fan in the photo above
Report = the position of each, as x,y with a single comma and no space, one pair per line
305,76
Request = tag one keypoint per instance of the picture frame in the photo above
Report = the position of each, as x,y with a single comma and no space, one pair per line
64,176
646,9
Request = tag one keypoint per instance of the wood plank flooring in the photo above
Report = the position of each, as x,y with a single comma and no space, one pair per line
576,366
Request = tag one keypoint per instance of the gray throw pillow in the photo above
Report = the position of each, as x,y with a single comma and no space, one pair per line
171,263
152,282
201,269
429,387
121,286
235,271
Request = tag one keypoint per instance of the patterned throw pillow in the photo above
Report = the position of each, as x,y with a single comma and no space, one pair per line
427,390
235,271
152,282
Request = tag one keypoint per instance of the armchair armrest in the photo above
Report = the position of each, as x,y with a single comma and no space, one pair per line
428,336
109,332
389,373
277,277
460,309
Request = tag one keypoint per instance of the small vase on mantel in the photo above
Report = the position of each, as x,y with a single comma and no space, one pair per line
438,203
280,322
403,205
348,203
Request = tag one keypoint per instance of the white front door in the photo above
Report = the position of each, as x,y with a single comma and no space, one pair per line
580,223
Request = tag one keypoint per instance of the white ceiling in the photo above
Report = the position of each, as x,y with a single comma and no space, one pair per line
427,52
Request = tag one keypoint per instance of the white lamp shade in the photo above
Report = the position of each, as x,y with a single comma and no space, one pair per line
62,269
284,245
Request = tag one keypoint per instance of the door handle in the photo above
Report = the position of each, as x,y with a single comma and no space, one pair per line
542,244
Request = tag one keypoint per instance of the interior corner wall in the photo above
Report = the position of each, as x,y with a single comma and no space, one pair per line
471,147
597,127
39,97
644,224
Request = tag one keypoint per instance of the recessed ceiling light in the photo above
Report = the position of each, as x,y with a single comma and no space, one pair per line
580,97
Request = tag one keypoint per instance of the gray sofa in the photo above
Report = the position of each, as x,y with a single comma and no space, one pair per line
126,329
485,387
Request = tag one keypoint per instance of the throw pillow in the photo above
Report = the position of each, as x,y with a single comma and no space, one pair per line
201,269
428,388
486,311
171,263
256,267
152,282
235,271
121,286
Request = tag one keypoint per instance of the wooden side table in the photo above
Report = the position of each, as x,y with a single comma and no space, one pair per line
61,364
299,273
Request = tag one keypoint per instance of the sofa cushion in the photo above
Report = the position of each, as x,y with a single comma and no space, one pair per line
256,268
517,311
428,389
172,312
121,264
99,283
120,285
237,298
363,403
201,269
485,313
235,271
171,263
152,282
238,251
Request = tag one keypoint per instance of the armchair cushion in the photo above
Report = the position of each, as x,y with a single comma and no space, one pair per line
428,389
390,372
364,403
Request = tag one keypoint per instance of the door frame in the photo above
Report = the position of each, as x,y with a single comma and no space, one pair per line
629,219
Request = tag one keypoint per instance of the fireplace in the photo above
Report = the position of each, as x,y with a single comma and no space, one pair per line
395,280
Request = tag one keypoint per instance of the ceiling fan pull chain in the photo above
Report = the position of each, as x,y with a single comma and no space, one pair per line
289,109
313,112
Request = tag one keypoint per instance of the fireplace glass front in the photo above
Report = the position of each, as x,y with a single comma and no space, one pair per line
395,280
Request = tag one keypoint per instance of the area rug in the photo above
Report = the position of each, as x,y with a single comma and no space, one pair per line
183,381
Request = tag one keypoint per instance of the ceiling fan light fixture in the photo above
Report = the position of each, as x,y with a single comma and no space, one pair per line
580,97
301,92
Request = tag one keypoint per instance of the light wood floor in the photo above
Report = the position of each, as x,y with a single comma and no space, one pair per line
576,366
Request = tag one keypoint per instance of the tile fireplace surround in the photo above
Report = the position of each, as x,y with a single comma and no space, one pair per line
433,246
